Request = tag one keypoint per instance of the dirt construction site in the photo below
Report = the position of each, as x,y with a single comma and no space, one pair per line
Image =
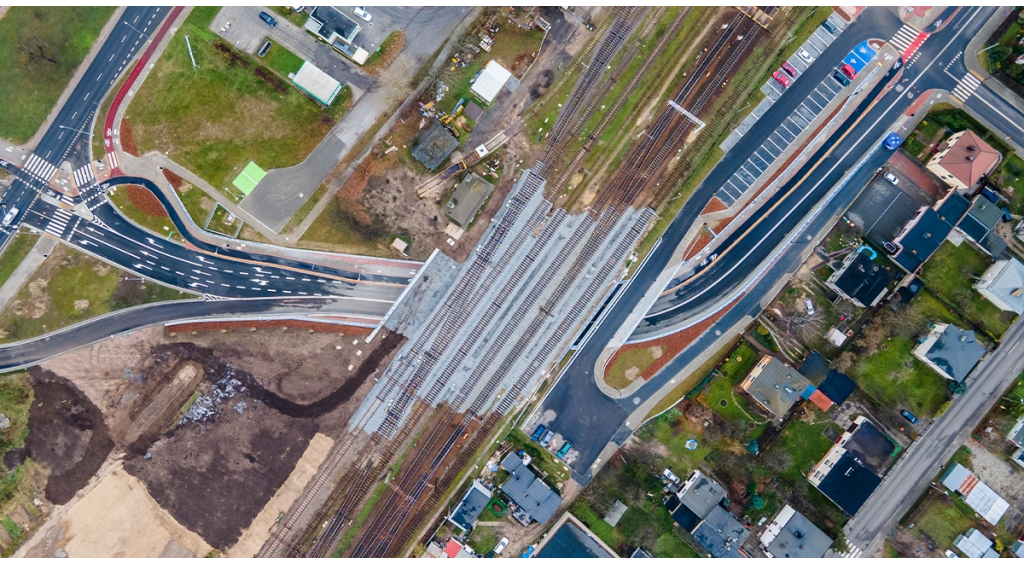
211,435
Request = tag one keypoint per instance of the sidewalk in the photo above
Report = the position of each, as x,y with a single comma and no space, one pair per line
973,51
25,270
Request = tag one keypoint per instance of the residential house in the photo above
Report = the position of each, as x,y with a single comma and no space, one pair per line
950,351
922,235
979,226
975,545
572,539
791,535
721,534
319,85
1016,438
849,472
860,279
963,159
467,200
535,501
471,506
975,493
331,25
774,385
433,144
837,387
697,496
1003,285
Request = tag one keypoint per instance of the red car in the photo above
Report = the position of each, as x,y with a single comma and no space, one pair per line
781,78
848,71
790,69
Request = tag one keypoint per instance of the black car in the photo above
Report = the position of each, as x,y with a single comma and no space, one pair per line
840,78
266,17
909,416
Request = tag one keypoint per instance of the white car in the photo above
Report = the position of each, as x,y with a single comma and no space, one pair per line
805,56
809,305
359,11
501,546
891,178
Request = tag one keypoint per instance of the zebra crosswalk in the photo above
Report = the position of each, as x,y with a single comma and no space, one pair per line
40,167
59,222
112,160
966,87
84,176
907,40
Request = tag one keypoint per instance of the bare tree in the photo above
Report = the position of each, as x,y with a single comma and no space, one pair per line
396,80
34,50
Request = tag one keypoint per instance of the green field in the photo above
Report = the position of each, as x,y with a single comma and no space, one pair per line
41,48
15,252
336,230
896,379
77,287
162,226
951,272
216,119
282,60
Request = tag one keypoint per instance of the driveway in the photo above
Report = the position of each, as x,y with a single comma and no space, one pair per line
283,191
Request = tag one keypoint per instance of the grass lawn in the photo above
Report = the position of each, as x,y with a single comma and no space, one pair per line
688,383
805,443
950,272
942,519
197,204
483,539
77,287
634,361
896,379
216,119
15,400
162,226
739,363
955,119
1010,175
510,42
336,230
15,252
286,12
41,48
282,60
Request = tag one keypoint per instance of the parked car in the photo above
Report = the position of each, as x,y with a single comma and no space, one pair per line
790,69
840,78
564,450
546,440
359,11
909,416
891,178
805,56
269,20
848,71
538,433
781,78
830,27
810,306
501,545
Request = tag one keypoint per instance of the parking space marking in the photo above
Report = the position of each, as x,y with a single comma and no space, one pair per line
776,145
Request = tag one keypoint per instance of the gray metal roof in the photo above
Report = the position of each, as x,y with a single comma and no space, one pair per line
721,534
701,494
956,352
528,491
777,387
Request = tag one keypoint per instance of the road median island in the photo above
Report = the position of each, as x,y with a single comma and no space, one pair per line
227,112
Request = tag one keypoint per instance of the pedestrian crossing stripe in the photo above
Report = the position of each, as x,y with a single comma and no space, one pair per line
84,176
966,87
40,167
112,160
907,41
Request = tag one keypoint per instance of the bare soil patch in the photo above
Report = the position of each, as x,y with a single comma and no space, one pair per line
127,136
67,435
145,201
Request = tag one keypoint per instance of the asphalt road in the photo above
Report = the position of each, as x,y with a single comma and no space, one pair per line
591,419
921,463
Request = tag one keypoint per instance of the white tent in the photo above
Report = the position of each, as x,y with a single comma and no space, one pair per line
490,81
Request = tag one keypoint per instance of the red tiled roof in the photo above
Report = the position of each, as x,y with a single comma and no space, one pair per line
821,400
970,158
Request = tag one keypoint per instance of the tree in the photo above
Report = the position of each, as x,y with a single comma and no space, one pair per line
844,361
756,502
34,50
958,388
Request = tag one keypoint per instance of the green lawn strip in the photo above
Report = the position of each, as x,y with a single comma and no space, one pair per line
543,460
675,440
72,276
286,12
688,383
1010,175
894,378
337,230
634,358
950,272
15,252
375,57
483,539
162,226
282,60
942,519
41,48
739,363
307,207
15,400
216,119
806,444
193,203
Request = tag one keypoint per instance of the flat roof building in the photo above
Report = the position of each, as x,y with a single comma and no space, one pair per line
697,496
774,385
721,534
433,144
975,545
950,351
1003,285
860,280
573,541
468,198
791,535
331,25
319,85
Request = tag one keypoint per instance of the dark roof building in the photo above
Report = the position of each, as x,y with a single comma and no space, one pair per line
472,505
814,367
528,491
433,144
950,351
697,496
837,387
869,445
332,25
467,200
844,480
473,111
860,279
791,535
571,541
979,226
721,534
774,385
923,234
